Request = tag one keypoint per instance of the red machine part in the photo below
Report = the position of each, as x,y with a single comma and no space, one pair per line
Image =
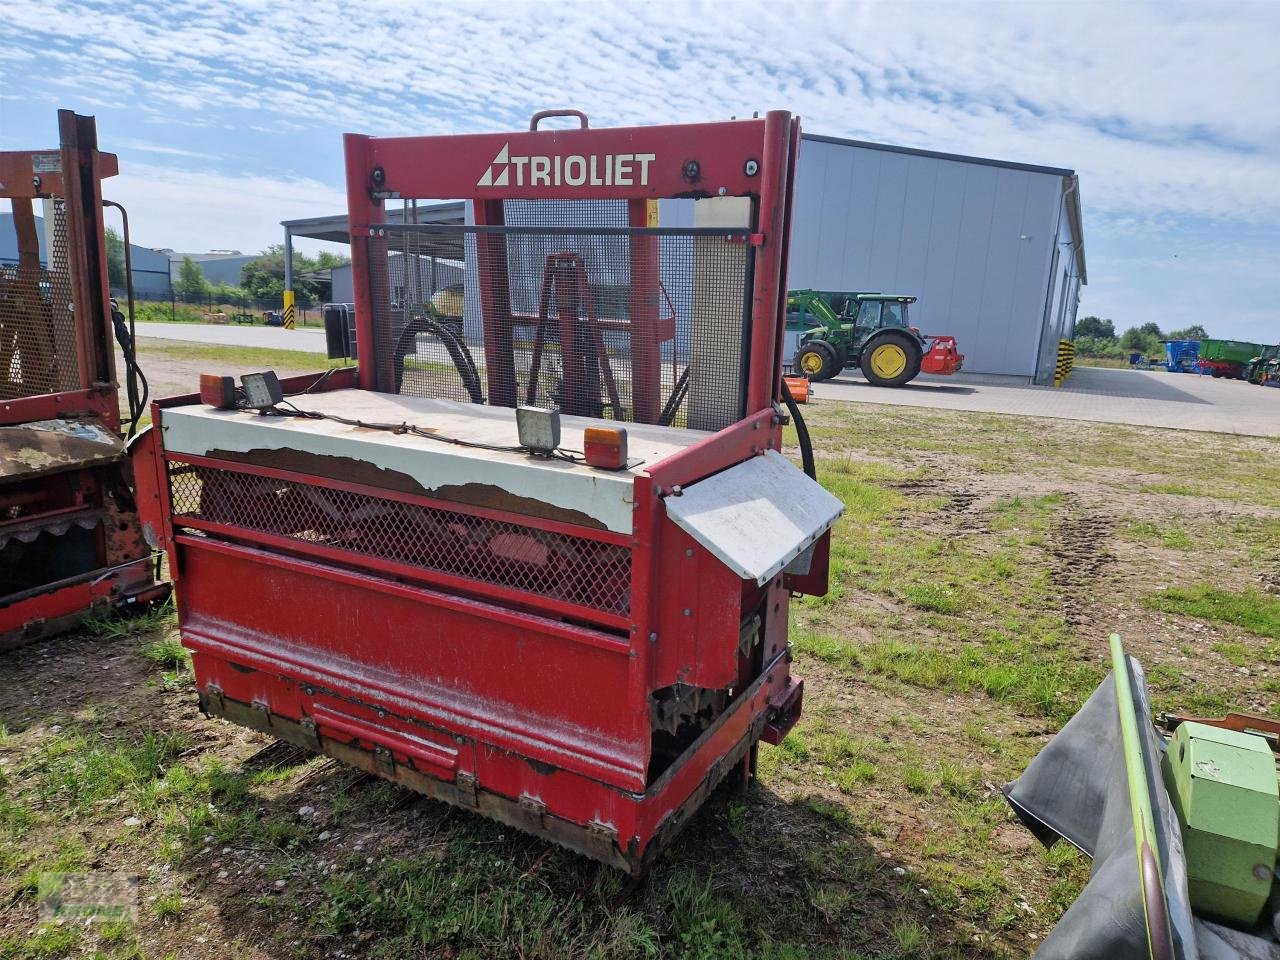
585,676
70,541
943,356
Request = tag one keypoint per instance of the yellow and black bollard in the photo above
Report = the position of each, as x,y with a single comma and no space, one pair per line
288,309
1066,360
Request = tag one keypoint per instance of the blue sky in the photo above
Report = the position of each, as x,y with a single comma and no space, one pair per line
227,116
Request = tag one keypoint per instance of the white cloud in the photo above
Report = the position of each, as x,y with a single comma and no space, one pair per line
193,211
1166,110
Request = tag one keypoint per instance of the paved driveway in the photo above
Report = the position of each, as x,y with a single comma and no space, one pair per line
308,340
1144,398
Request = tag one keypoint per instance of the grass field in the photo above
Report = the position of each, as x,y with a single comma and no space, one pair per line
979,566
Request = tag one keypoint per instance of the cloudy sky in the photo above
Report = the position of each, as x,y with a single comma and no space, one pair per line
227,115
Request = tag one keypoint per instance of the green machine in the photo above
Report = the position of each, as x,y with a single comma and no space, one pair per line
1265,366
1181,817
868,330
1227,358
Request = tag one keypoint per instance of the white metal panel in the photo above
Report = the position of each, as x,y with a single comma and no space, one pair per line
603,497
755,517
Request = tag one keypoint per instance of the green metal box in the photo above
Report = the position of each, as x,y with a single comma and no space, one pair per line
1237,351
1223,787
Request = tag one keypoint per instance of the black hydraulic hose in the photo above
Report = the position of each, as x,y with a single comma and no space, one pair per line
137,389
463,362
802,433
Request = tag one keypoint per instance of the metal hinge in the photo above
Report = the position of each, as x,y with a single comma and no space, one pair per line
385,761
468,788
534,811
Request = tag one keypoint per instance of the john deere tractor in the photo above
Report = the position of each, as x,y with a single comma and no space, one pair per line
868,330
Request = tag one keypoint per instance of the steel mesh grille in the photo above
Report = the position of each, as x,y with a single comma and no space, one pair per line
598,321
567,568
37,323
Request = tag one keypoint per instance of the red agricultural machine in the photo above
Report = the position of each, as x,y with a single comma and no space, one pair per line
70,540
534,556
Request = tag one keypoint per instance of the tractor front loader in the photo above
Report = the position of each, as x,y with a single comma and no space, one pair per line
866,330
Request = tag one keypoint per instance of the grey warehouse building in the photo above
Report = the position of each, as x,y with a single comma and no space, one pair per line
994,250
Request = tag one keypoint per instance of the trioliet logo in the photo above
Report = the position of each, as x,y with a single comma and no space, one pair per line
575,170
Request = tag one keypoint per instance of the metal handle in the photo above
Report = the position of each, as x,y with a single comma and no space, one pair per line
543,114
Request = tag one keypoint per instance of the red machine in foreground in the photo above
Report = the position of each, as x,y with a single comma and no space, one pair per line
535,557
70,540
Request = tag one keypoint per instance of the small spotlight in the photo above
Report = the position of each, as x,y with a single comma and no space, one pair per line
539,429
262,391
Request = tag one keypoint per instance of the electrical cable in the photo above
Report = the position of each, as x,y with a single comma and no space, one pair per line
560,453
802,433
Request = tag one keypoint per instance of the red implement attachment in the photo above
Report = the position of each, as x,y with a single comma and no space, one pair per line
580,636
943,357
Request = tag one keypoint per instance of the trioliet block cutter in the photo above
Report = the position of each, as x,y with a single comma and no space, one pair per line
534,556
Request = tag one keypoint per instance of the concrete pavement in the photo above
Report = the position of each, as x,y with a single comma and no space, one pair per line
1143,398
307,340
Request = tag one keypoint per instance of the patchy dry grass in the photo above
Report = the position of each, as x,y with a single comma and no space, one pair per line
979,566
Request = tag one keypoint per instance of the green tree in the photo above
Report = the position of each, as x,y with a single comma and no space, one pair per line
191,283
1152,329
1095,328
115,260
1193,332
263,278
1141,339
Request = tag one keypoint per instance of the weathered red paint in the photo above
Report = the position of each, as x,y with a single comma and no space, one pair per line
537,703
120,563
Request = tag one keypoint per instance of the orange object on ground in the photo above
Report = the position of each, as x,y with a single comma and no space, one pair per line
799,387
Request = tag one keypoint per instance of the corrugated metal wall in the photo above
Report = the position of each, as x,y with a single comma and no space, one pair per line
973,241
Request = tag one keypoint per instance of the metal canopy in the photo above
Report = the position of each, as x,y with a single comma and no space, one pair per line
337,229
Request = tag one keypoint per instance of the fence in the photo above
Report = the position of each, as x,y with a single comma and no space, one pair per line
207,308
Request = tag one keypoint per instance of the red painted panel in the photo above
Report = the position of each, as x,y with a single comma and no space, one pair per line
433,655
636,162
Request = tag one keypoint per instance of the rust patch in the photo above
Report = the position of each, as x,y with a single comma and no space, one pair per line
52,446
350,470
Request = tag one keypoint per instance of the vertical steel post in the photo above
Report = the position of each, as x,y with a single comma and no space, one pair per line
362,210
766,291
642,310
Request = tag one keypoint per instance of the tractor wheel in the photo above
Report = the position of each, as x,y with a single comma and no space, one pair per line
890,359
817,361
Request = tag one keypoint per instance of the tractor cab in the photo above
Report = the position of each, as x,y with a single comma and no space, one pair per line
877,311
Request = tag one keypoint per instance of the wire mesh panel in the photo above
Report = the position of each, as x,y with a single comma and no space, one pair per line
37,320
563,567
593,319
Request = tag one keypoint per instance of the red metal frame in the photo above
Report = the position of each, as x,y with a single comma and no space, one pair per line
529,709
124,574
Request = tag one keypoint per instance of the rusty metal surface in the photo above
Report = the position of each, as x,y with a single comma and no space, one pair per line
52,446
26,531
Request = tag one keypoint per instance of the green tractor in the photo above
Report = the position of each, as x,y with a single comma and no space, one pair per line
867,330
1263,367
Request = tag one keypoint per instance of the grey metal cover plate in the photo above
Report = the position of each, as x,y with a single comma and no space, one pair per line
756,517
